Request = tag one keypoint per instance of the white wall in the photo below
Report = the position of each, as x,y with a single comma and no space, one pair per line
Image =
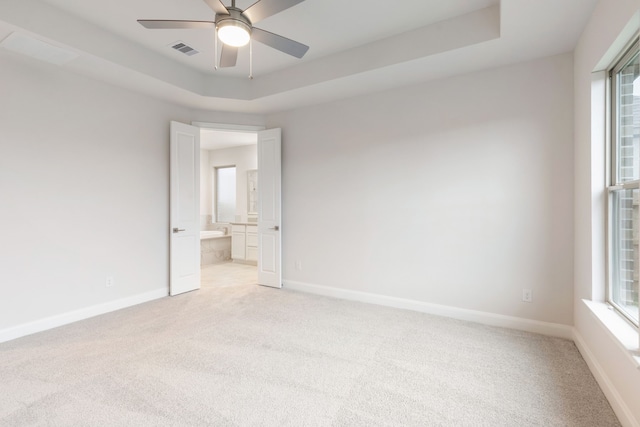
611,25
244,158
456,192
84,186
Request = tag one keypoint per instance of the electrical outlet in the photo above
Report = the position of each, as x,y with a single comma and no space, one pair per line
527,295
298,265
109,282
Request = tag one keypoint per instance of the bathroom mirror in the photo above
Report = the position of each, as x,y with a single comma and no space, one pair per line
252,196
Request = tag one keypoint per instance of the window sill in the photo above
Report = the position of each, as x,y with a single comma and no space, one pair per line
623,332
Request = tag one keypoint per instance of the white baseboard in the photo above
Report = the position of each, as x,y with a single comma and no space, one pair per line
545,328
615,400
81,314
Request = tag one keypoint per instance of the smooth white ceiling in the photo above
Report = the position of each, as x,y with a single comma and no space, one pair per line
326,26
356,47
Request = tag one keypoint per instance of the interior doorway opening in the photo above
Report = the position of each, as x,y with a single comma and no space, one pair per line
228,204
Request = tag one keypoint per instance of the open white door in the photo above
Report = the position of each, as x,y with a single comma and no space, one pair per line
184,243
269,240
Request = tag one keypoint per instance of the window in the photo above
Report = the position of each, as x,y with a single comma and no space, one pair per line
624,184
225,194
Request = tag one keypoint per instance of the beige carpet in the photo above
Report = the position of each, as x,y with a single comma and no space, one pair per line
244,355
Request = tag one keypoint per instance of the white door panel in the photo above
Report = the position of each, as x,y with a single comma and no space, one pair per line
184,241
269,238
269,246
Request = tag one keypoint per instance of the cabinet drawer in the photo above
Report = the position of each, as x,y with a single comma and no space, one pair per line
238,228
252,229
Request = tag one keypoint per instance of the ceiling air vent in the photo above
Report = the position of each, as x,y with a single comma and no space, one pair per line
181,47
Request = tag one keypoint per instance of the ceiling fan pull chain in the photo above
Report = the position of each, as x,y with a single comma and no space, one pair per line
250,59
215,53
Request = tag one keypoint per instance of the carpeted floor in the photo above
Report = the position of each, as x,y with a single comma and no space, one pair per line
243,355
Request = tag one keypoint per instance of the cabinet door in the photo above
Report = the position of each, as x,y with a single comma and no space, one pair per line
252,240
238,243
252,253
252,243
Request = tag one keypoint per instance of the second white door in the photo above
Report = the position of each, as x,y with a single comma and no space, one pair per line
269,188
184,200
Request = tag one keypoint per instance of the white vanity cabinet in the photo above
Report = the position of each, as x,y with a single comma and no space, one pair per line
238,242
244,243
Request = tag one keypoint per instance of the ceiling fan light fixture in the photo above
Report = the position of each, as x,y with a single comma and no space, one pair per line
234,32
233,27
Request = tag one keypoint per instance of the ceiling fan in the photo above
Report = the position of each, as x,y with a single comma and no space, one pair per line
235,28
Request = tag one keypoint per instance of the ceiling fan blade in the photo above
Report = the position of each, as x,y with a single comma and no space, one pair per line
265,8
168,24
217,6
283,44
228,56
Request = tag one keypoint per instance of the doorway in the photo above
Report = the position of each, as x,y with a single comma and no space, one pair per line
261,238
228,205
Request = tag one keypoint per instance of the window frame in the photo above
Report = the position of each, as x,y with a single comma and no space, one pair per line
614,183
215,191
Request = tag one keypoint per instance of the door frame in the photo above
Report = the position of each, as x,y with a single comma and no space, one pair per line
229,127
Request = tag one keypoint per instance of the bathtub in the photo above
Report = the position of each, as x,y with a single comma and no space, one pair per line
210,234
215,247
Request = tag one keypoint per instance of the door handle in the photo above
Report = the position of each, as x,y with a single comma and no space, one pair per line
177,230
275,228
